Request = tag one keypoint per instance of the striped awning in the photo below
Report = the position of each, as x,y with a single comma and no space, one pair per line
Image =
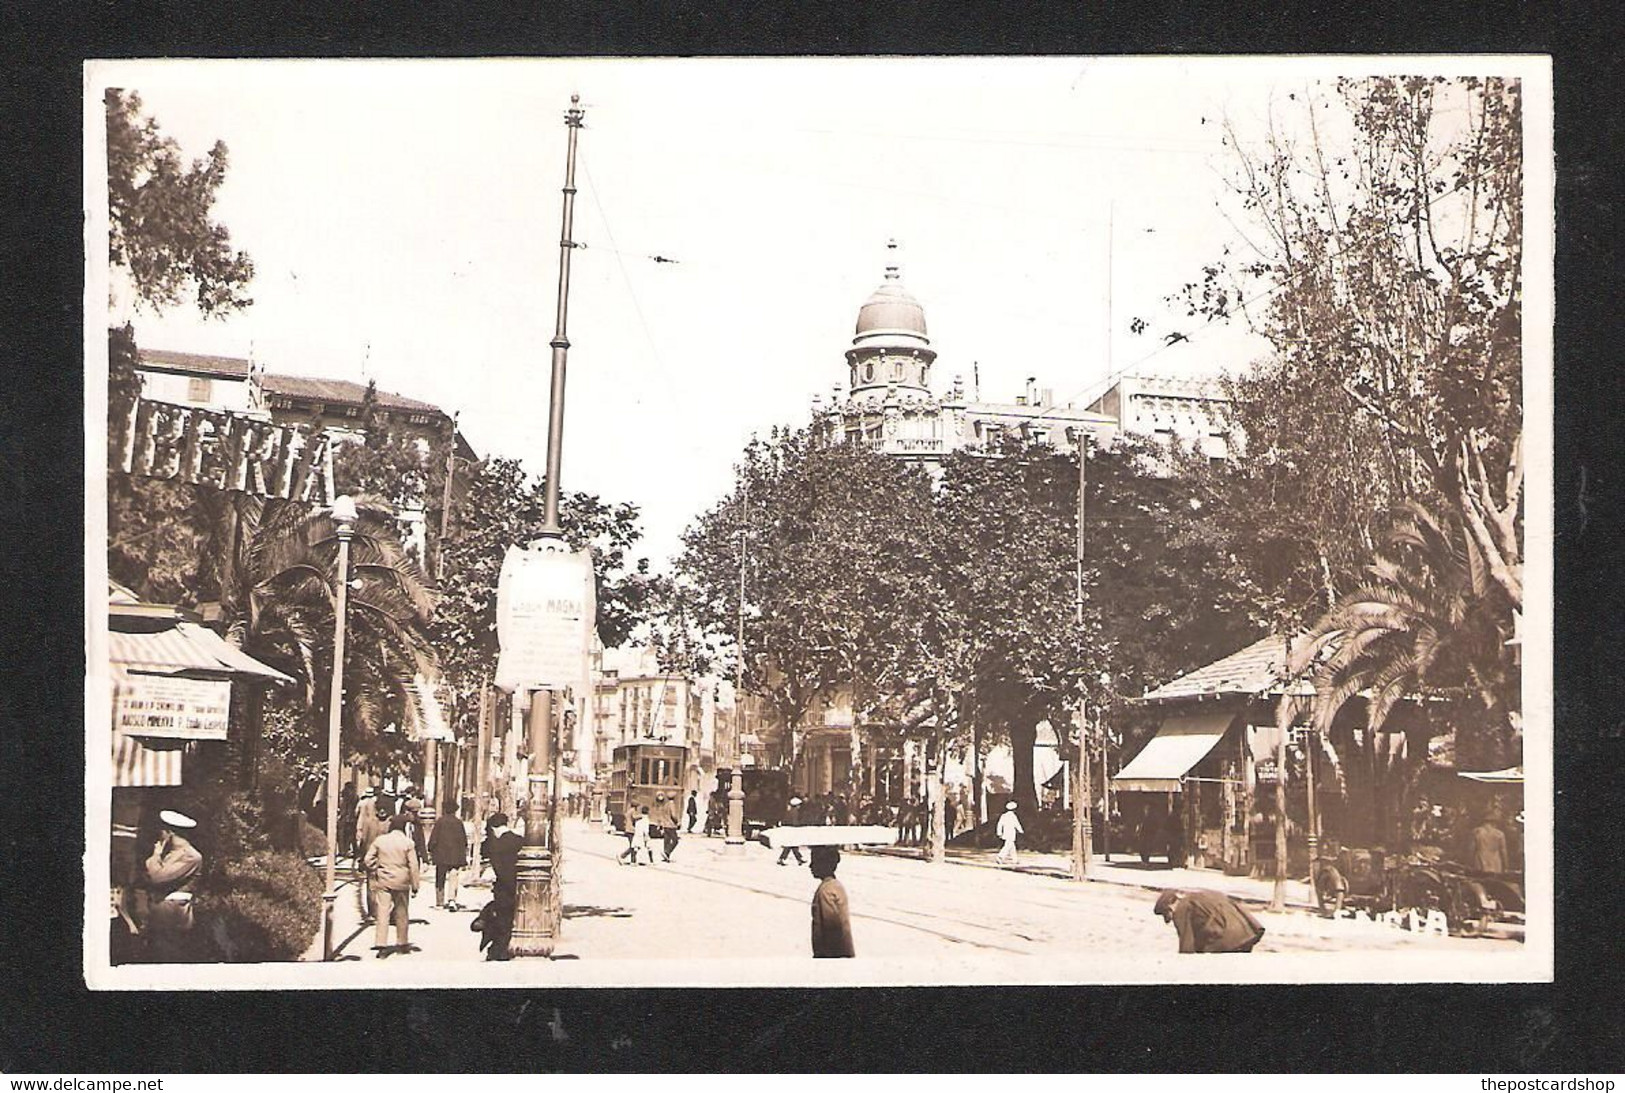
1180,744
135,764
429,717
184,647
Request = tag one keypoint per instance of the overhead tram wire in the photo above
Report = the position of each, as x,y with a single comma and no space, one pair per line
631,291
1097,384
1115,374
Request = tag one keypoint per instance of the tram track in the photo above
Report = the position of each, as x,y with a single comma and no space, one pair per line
953,929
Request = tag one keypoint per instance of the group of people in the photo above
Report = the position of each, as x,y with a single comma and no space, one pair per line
391,852
665,822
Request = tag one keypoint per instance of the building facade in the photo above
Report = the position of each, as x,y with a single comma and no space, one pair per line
634,699
331,407
891,406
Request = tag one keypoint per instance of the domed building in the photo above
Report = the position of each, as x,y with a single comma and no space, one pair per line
891,407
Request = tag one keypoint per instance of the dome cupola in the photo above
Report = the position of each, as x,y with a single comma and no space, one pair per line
889,343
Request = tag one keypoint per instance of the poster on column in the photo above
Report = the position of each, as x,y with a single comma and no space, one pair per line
546,609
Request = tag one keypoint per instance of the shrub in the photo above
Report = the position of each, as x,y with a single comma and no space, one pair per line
266,906
312,840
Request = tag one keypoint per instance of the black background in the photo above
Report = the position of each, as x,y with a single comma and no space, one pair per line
50,1022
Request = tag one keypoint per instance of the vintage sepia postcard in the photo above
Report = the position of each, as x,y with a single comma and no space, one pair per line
792,522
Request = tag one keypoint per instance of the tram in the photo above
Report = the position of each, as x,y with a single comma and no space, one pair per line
638,773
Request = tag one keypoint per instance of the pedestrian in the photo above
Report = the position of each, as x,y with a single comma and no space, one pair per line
792,818
172,875
448,847
396,873
640,838
693,809
495,920
366,806
670,822
1009,827
831,915
950,814
411,808
1488,853
1209,922
347,815
370,823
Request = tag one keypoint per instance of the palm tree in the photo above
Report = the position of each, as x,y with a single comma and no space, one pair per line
274,563
1432,620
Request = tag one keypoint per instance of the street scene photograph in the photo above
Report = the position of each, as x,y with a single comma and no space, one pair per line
787,522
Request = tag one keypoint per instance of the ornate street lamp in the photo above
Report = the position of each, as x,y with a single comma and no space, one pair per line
344,518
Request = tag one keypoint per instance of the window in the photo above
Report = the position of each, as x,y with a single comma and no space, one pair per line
199,389
869,372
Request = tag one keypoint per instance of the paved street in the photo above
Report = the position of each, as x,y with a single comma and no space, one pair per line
708,904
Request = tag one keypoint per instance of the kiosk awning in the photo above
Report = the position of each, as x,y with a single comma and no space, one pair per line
1179,745
185,647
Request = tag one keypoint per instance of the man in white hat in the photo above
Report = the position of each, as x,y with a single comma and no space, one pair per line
792,818
172,873
1009,827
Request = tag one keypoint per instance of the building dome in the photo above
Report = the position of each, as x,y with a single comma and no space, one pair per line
891,310
889,347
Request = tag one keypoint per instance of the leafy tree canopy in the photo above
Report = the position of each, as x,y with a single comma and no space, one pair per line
162,233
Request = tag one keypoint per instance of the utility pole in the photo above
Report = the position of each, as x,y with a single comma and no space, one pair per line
1082,825
482,759
445,502
933,775
1311,742
537,914
1278,896
734,838
1111,262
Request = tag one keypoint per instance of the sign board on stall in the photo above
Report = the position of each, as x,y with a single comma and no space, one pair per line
546,610
172,707
1265,772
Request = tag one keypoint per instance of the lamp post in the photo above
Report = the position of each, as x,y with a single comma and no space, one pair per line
1082,833
734,834
537,906
344,518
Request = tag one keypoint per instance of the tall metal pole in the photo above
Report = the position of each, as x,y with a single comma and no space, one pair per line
344,516
1105,784
1278,894
561,342
482,774
536,916
1311,742
734,839
445,503
1082,832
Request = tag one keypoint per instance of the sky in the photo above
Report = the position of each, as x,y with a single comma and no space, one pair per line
403,219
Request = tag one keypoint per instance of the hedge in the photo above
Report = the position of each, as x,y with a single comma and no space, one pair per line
266,906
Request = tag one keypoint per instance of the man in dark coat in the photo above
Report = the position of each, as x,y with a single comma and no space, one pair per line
1209,922
448,849
496,920
831,916
693,809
